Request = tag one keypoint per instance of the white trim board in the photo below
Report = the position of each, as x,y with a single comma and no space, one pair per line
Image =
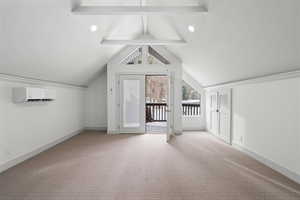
188,78
26,156
177,133
139,10
219,138
282,170
102,129
259,79
188,129
35,81
151,42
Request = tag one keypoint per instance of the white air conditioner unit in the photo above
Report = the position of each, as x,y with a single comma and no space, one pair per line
32,94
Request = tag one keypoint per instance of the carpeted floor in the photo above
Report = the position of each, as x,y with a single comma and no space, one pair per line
94,166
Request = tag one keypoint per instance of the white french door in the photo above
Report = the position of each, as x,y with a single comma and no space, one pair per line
225,115
169,111
132,103
220,114
214,115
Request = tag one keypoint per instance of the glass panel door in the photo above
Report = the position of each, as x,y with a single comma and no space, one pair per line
169,111
132,103
214,113
225,115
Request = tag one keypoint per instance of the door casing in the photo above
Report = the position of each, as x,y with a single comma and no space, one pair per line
170,101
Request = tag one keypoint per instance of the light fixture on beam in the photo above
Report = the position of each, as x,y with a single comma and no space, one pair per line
151,42
139,10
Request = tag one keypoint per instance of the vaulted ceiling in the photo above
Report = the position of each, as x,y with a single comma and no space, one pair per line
236,39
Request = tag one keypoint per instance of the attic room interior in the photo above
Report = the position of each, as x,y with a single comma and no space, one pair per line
150,99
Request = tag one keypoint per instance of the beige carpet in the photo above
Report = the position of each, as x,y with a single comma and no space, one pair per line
94,166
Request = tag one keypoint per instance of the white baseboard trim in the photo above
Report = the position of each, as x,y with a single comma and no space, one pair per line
193,129
113,132
177,132
35,152
102,129
218,138
286,172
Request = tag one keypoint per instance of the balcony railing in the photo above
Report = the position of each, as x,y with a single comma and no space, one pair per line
189,109
156,112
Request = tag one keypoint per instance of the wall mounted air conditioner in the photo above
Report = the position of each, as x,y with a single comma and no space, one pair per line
32,94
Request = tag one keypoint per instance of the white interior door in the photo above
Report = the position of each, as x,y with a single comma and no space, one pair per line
132,103
225,115
169,111
214,113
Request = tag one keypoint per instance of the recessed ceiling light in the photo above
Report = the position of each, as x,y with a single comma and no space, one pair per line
93,28
191,28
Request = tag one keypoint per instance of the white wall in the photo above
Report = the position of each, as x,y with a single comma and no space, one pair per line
96,103
266,120
266,123
25,128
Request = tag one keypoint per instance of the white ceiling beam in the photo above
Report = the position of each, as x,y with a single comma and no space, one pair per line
138,10
151,42
145,24
144,19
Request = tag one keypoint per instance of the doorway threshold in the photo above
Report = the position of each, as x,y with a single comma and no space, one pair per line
156,127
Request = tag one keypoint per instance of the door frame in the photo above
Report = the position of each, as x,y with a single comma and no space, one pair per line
115,65
170,95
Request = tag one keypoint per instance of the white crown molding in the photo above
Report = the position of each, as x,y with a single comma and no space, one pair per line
259,79
35,81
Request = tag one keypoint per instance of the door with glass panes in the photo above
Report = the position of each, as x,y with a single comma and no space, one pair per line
132,103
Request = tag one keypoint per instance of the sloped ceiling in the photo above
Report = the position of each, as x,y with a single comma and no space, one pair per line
236,39
44,40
